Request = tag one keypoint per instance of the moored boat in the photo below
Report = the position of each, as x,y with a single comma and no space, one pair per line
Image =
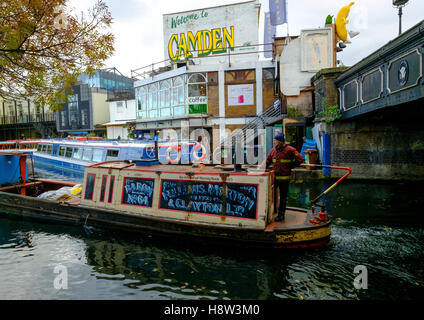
208,203
70,157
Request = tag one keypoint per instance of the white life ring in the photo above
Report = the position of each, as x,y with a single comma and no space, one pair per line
168,154
195,156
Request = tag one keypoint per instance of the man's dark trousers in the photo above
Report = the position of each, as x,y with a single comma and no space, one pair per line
281,187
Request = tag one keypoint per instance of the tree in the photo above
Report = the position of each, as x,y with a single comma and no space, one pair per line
44,47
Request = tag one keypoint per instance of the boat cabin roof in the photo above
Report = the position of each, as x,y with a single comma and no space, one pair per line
184,169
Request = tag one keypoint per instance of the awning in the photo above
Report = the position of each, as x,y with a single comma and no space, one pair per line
74,132
117,123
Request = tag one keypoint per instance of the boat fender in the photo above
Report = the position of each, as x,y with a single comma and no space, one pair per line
202,147
168,154
314,221
322,216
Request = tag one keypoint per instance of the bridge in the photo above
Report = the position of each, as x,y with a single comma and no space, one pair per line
391,76
380,133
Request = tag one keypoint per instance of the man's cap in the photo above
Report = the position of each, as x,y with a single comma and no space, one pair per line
280,137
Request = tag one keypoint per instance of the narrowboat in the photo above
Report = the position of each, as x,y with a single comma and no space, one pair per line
210,203
70,157
29,145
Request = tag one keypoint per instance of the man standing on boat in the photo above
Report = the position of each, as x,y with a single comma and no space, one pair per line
282,158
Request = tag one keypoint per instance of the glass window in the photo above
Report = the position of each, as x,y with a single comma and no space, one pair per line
180,111
268,74
142,114
103,188
164,94
141,99
111,184
197,90
112,154
73,110
68,152
178,91
77,153
120,107
39,147
87,154
197,77
165,112
97,155
153,92
61,151
44,148
49,149
89,186
153,113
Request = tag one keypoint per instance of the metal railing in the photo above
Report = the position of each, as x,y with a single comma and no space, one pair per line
166,65
25,118
250,131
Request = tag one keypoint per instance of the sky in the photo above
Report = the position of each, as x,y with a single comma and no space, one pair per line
137,25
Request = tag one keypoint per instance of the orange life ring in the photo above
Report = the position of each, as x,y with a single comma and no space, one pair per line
195,156
168,154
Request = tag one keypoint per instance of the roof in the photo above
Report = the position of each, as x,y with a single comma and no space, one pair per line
117,123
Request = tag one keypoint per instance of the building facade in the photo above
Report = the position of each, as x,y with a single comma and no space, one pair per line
87,109
22,118
213,79
122,116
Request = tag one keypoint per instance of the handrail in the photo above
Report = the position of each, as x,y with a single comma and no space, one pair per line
330,188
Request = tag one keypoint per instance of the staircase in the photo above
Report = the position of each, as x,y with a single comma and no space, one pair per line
250,131
44,129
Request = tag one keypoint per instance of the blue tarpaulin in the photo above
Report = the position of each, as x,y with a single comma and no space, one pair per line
308,145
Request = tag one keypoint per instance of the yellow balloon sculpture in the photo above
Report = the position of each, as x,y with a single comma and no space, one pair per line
341,22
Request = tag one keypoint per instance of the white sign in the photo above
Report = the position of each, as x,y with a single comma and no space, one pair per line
317,49
240,95
198,100
212,32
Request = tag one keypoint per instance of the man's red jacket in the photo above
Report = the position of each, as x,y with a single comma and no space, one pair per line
283,159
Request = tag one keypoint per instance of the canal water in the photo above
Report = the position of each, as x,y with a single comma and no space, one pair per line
376,225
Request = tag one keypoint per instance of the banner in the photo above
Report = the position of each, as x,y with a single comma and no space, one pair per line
269,34
278,12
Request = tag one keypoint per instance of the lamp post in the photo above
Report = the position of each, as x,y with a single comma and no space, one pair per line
400,4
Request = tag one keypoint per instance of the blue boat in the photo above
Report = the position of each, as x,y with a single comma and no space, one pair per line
70,157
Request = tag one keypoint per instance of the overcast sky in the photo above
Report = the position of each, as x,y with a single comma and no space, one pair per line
139,35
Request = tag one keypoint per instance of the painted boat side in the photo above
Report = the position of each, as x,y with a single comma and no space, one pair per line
50,211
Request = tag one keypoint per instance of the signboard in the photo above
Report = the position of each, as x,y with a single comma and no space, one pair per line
316,49
212,31
240,95
207,197
138,192
198,104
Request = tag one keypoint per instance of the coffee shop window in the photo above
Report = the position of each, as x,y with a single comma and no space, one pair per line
142,102
179,96
197,85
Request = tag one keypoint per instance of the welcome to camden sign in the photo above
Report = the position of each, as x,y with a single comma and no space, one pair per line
212,31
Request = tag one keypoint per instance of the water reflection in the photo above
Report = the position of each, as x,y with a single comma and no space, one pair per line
372,227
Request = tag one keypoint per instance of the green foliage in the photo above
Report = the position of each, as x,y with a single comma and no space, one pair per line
290,135
131,129
329,19
329,113
294,112
91,134
45,46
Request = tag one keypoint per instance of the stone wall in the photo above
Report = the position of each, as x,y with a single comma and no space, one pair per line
386,144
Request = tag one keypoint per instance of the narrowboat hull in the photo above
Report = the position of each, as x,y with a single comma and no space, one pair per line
289,234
